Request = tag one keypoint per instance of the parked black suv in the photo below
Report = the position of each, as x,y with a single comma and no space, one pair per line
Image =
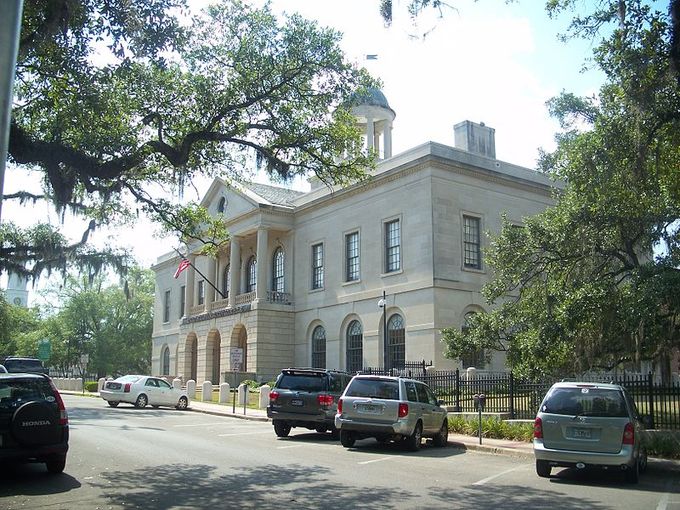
306,397
33,421
25,365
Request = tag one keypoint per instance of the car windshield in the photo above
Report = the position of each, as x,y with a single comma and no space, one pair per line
585,401
302,382
374,388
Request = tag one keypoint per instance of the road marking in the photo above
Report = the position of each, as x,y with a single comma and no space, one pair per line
290,446
201,424
488,479
665,499
244,433
374,460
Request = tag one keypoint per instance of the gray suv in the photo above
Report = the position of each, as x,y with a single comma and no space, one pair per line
589,425
306,397
391,409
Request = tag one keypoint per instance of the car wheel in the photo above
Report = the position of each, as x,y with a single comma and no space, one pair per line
442,437
347,438
414,440
543,469
281,428
632,474
642,460
142,401
112,403
55,464
182,404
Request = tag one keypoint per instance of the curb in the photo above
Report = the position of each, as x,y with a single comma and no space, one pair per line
228,415
493,450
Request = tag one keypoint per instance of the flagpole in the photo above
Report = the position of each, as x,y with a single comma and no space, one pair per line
199,272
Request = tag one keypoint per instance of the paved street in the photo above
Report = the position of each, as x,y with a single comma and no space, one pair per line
166,459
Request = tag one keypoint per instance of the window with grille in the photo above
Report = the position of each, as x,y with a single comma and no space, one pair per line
319,347
251,277
226,281
317,266
392,246
352,257
166,306
471,243
355,349
396,342
277,266
166,361
201,292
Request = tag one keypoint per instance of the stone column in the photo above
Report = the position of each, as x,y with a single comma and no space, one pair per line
191,282
370,134
388,139
262,264
234,270
210,293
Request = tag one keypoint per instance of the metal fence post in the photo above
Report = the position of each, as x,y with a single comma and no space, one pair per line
457,390
650,389
512,396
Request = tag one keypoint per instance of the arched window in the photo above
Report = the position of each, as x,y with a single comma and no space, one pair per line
165,364
355,348
226,282
251,276
396,342
319,347
477,357
277,266
221,204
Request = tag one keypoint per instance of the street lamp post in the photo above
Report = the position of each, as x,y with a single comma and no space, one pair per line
383,304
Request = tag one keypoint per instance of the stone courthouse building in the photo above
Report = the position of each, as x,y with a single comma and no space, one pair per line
301,281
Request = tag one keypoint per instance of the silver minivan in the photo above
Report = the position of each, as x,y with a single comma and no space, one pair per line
584,425
390,409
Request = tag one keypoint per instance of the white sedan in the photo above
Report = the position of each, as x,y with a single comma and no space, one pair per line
142,390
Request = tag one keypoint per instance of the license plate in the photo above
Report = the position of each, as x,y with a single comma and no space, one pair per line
582,433
297,402
369,408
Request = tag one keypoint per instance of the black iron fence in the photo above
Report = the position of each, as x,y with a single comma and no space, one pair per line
519,399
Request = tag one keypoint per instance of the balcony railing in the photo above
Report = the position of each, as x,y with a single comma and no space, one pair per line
243,299
195,310
219,304
274,296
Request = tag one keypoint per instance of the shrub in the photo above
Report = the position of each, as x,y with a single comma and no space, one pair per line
92,386
666,446
492,428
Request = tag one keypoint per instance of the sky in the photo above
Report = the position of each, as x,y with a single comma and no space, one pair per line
484,61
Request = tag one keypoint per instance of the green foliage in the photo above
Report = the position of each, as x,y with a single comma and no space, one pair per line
18,326
492,428
92,386
665,445
124,100
579,287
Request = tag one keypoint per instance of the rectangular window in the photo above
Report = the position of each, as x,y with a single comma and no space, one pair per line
471,243
166,306
392,246
182,300
201,292
352,256
317,266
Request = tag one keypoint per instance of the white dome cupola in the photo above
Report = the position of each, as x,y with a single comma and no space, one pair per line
375,117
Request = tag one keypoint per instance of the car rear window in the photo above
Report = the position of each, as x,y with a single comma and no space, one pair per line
302,382
373,388
20,365
24,390
585,401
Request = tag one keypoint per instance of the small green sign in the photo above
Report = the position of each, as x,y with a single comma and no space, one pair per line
44,349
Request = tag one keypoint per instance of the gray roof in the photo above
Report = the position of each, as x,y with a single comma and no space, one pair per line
370,96
274,194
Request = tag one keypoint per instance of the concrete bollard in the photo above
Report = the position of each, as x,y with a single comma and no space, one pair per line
206,391
100,384
191,389
242,394
177,384
471,373
224,393
264,396
79,384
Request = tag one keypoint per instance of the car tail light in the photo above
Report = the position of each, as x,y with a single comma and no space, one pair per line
628,434
538,428
403,410
273,396
339,406
126,389
63,415
325,400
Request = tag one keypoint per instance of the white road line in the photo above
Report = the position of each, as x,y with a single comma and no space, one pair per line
244,433
374,460
289,446
665,499
488,479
